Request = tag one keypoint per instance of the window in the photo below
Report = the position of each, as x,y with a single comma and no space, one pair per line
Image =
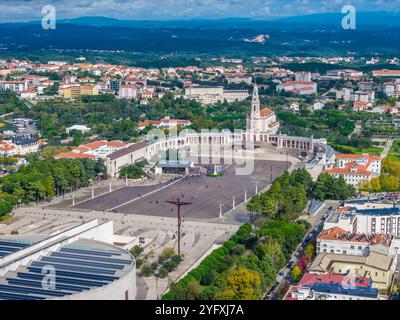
126,295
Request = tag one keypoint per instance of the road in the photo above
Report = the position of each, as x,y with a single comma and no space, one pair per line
316,226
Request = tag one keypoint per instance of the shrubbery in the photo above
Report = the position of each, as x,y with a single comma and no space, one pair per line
244,267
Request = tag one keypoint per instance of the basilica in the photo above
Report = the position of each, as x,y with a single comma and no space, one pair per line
261,123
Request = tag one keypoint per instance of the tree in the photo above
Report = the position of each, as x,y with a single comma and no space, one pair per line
309,251
273,249
296,273
242,284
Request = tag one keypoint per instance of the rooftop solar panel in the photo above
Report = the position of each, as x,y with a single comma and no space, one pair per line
9,249
13,296
91,252
81,282
84,263
25,290
74,268
71,274
38,284
90,258
13,244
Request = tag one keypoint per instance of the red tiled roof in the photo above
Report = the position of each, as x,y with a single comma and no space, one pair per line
73,155
310,279
116,143
95,144
265,112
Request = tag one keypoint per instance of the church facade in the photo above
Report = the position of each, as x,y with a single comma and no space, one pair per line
261,123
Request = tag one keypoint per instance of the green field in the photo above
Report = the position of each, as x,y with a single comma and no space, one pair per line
348,149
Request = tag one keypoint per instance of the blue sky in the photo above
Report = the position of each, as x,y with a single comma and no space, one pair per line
27,10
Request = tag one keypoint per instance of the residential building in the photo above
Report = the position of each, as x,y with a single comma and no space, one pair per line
166,122
332,287
93,150
298,87
356,169
212,94
392,89
127,92
339,241
16,86
302,76
386,73
238,78
377,266
89,90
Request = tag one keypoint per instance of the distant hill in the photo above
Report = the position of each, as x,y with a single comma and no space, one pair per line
320,34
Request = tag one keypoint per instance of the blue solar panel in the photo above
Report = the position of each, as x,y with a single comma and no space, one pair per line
91,252
13,244
79,282
25,290
76,275
74,268
90,258
9,249
12,296
38,284
84,263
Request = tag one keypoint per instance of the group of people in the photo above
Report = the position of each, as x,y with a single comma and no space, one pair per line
197,171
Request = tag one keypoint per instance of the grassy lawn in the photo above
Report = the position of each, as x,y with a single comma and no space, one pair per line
347,149
394,151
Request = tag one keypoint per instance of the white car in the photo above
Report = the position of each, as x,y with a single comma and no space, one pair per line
396,270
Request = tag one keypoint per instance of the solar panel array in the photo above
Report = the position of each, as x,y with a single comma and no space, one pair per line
77,269
8,246
379,212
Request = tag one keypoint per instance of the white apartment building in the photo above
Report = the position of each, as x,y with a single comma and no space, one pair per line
235,95
303,76
356,168
16,86
339,241
127,92
213,94
363,96
392,88
371,218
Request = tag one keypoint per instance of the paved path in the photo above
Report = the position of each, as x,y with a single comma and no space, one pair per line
388,146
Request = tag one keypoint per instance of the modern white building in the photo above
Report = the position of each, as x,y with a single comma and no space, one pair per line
213,94
80,263
77,127
339,241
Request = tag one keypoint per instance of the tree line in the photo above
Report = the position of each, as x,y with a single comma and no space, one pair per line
245,266
44,179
